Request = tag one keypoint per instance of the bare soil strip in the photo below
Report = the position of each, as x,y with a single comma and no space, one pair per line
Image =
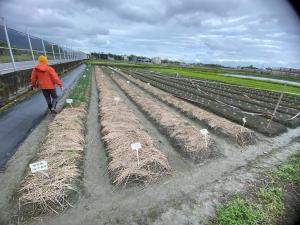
184,136
219,125
119,131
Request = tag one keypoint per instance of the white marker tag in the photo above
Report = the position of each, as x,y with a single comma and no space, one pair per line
129,75
136,146
148,84
244,120
117,99
204,131
38,166
84,76
128,82
69,100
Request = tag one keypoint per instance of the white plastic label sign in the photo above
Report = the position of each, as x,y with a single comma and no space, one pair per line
204,131
116,99
69,100
38,166
136,146
128,82
244,120
84,76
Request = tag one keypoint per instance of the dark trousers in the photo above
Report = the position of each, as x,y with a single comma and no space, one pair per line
51,97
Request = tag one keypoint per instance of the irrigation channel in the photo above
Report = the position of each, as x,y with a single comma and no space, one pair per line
179,175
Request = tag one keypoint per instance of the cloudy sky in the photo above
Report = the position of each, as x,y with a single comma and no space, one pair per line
228,32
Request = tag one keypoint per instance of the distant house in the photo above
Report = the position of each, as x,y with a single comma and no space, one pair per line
125,58
156,60
110,58
143,60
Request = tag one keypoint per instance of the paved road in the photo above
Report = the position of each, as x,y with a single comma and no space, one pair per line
8,67
17,122
264,79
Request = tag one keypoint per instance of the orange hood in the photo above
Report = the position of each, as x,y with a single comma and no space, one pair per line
41,67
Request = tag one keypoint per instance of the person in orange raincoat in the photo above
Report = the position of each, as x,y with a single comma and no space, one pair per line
45,77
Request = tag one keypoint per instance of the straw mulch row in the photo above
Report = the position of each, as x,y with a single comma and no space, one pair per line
120,128
186,139
219,125
63,150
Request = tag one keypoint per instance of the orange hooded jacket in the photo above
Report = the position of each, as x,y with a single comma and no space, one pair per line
45,77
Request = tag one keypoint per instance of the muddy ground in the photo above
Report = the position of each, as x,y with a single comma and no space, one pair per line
189,196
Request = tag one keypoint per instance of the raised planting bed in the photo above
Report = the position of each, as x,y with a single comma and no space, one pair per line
257,123
183,135
292,102
39,193
261,92
282,118
216,124
283,114
120,128
63,150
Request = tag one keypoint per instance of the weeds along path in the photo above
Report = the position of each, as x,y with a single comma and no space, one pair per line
185,137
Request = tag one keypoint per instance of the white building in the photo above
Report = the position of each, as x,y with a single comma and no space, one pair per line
156,60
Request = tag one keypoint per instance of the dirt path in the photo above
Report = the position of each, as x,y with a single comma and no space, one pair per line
187,197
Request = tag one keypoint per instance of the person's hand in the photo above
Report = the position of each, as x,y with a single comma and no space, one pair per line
62,89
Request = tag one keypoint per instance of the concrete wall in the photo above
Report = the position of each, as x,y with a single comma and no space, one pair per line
17,83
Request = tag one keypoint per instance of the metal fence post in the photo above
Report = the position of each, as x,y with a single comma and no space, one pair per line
53,52
8,43
30,46
45,53
64,54
59,53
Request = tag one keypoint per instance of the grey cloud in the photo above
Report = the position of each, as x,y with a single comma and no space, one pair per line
232,32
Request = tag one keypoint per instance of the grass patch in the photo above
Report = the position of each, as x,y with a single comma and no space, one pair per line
271,201
265,205
230,80
290,171
238,212
80,92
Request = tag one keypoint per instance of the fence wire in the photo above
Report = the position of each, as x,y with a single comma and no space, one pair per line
19,50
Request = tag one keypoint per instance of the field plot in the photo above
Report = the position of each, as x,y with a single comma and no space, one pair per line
227,105
190,159
63,150
119,131
184,136
216,124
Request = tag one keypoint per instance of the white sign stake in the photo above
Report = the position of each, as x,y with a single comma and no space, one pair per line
128,82
204,132
244,122
148,84
117,99
40,166
135,147
69,101
84,76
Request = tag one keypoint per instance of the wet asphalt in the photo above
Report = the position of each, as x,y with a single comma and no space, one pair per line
18,121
